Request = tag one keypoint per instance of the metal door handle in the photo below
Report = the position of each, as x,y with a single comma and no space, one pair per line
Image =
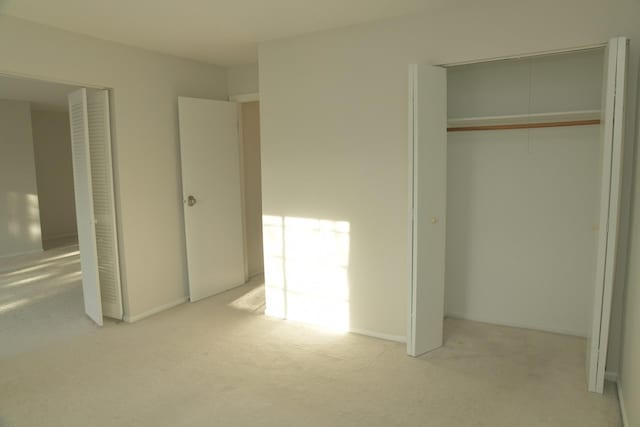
191,201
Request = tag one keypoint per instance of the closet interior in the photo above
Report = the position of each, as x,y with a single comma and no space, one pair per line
524,162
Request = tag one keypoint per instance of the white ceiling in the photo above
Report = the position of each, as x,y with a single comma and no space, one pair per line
224,32
42,95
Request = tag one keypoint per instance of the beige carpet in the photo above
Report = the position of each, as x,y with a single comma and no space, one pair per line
40,300
219,362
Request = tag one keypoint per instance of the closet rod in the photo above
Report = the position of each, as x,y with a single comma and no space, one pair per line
525,125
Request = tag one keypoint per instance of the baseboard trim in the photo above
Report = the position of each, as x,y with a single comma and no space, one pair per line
60,242
611,376
59,236
519,325
623,411
388,337
29,252
252,275
156,310
197,298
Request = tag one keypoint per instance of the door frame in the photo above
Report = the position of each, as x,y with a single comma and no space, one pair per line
114,161
525,55
240,99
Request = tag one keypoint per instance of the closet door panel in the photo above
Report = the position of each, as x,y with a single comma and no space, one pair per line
612,127
104,202
428,176
81,159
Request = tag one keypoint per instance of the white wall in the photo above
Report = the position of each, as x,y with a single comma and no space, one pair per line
19,214
520,239
555,83
147,174
629,375
54,173
242,79
334,122
252,185
522,205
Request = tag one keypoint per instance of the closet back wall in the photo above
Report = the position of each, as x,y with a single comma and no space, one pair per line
522,204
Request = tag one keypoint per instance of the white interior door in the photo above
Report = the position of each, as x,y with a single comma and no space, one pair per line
612,123
78,117
428,176
104,202
212,195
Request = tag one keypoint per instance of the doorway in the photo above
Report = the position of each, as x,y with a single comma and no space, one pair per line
44,271
252,183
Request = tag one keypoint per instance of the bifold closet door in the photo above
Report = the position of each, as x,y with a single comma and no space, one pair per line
427,183
612,129
81,158
104,202
95,203
212,195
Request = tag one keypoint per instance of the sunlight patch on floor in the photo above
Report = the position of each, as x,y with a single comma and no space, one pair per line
47,275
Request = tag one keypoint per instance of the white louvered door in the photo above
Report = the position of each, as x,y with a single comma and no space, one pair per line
104,202
78,118
95,205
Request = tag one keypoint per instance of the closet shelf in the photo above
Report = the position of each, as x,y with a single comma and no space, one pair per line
523,121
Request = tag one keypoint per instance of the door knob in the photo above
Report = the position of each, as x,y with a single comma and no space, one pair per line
434,220
191,200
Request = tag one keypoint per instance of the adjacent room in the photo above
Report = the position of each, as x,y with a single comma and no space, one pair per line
320,213
40,278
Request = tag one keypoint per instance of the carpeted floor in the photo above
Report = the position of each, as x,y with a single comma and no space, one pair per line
40,300
220,362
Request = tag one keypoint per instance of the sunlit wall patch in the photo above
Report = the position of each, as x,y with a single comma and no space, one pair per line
306,270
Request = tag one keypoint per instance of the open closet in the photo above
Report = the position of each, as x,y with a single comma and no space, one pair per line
515,179
523,176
